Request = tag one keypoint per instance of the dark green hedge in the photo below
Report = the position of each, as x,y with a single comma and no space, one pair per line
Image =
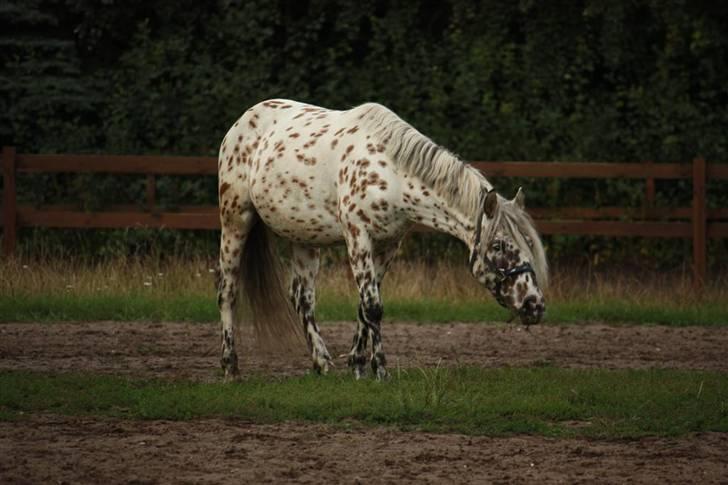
623,80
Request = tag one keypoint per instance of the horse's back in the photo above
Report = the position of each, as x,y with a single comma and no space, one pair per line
299,163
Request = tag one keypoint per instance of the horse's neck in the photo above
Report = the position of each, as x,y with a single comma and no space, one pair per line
425,206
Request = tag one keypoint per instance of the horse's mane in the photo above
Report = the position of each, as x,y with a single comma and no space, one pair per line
457,182
516,222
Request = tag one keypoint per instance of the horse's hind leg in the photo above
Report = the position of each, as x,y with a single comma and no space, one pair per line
235,230
303,297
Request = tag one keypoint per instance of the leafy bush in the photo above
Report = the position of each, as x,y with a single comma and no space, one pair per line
493,80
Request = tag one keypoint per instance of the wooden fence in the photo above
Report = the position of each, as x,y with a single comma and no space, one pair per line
696,222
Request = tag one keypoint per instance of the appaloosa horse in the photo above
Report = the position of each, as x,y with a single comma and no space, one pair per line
316,176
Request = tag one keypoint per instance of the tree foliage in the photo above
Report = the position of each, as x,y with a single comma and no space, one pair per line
492,80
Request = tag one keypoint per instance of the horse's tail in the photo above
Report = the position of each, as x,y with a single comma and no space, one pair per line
265,301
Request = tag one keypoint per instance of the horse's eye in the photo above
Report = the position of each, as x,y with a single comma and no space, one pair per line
496,246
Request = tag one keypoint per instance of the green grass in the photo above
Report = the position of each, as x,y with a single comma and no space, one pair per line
182,289
120,307
545,401
202,308
580,311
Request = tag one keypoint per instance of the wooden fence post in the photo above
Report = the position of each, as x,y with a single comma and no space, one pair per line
10,213
151,192
649,188
699,224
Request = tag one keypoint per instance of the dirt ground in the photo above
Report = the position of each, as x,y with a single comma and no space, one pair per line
60,449
83,450
190,351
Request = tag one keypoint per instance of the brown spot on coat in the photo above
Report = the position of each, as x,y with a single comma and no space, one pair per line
347,152
363,216
353,230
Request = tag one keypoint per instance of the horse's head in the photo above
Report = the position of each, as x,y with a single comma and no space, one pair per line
507,256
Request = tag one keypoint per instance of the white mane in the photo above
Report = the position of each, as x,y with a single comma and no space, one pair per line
517,224
458,183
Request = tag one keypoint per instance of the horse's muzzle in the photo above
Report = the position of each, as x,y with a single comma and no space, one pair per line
532,310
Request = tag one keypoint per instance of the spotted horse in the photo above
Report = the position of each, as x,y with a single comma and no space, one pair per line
316,177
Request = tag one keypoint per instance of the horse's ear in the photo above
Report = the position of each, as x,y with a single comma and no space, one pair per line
491,203
520,198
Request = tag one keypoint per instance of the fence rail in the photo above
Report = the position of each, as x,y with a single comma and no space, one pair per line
696,222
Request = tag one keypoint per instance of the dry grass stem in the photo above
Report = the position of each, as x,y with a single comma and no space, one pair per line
404,281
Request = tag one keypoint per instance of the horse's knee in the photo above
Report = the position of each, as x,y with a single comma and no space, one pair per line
226,299
371,312
297,295
218,277
226,293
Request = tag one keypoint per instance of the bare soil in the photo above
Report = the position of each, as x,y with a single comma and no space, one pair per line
53,449
190,350
62,449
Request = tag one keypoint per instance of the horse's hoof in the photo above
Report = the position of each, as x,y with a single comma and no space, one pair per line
231,375
357,364
378,366
321,368
382,374
322,362
229,364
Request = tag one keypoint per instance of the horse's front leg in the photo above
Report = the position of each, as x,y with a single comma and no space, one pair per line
357,355
373,312
370,308
302,292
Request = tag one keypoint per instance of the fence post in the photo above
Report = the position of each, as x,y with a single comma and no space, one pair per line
699,223
151,192
649,187
10,213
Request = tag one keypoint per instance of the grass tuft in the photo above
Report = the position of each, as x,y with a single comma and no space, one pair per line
182,290
547,401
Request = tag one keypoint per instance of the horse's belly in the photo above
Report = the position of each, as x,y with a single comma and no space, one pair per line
298,212
310,228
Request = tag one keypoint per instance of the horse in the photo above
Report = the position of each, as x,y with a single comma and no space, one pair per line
316,177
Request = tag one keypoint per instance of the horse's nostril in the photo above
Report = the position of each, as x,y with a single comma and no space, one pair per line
532,310
529,304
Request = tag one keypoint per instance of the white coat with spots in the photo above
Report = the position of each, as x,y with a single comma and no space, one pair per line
363,177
